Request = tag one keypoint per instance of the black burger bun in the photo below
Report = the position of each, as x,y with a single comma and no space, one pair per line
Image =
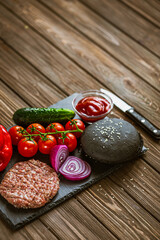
111,140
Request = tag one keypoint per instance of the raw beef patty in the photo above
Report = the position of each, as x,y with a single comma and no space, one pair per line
29,184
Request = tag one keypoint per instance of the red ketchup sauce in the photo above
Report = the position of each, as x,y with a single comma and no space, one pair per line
92,107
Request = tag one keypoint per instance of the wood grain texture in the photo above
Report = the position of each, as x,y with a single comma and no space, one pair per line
9,103
148,9
111,39
119,212
106,69
44,56
35,230
152,156
36,90
141,182
129,22
72,218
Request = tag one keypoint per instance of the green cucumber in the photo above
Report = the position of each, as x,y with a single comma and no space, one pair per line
44,116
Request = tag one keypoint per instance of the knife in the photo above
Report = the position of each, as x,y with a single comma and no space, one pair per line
130,111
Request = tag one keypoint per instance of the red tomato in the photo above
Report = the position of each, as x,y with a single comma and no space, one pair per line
51,128
46,145
70,141
16,136
32,129
71,126
27,148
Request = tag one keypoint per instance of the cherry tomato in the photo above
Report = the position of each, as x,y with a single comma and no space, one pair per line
46,144
51,128
71,126
16,136
27,148
70,141
32,129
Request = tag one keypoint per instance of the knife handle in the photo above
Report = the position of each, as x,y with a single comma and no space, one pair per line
144,123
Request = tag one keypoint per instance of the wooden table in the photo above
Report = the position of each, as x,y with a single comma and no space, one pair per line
51,49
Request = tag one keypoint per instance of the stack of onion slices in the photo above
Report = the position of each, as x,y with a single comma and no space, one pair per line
71,167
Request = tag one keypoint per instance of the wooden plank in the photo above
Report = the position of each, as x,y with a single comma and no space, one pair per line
129,22
61,220
142,183
36,90
106,69
111,39
6,233
152,156
119,212
36,230
44,57
148,9
72,218
7,106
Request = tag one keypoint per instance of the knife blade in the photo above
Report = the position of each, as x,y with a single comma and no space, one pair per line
131,112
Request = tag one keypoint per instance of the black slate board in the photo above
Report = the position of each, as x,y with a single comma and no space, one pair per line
17,218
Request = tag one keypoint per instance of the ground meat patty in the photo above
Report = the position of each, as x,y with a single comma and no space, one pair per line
29,184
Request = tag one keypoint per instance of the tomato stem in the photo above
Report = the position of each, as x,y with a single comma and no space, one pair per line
50,133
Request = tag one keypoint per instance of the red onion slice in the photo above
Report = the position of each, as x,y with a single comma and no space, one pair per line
58,155
72,165
87,171
75,169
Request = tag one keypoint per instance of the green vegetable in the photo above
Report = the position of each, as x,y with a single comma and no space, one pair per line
44,116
